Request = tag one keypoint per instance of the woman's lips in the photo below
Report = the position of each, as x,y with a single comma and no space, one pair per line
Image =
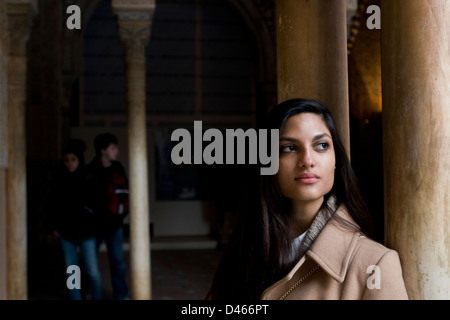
307,178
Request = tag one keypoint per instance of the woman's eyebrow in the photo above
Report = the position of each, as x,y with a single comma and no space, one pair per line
317,137
321,136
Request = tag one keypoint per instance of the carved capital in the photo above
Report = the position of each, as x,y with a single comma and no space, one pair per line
133,5
134,18
20,14
135,35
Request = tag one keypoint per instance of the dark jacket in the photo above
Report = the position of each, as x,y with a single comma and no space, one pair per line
70,206
100,176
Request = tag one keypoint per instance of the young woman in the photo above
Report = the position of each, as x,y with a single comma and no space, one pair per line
73,221
307,234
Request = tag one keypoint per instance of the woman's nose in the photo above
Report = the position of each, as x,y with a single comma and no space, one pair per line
306,160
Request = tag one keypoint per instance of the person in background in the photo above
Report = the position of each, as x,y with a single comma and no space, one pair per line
72,218
110,185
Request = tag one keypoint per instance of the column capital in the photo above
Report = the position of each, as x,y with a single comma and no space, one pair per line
23,5
134,18
20,14
133,5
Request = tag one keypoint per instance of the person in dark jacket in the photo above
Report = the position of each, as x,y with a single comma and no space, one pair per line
109,181
72,219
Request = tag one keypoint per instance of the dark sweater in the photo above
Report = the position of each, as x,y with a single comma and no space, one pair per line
100,176
71,211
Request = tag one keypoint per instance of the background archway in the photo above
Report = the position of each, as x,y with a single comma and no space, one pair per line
204,62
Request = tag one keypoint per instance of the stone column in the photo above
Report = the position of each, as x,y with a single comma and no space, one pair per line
312,55
3,144
134,30
416,133
19,23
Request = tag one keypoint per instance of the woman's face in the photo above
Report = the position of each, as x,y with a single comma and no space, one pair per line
71,162
307,158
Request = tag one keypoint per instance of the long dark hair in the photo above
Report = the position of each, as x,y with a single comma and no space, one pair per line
258,252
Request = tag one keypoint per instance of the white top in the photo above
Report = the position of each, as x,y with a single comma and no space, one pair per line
296,245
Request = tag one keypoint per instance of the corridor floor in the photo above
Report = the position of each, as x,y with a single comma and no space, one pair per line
176,274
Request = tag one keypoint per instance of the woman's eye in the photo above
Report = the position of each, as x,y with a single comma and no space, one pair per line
288,148
323,146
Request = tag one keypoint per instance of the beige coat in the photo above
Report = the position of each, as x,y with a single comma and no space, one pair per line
342,265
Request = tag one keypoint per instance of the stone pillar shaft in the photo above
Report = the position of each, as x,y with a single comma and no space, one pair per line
138,166
416,133
3,144
16,208
134,30
3,235
312,55
19,23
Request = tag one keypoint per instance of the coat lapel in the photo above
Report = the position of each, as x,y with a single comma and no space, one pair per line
332,251
334,248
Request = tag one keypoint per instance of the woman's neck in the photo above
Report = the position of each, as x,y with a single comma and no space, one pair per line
304,212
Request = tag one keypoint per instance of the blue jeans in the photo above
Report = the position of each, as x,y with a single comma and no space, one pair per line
88,252
114,246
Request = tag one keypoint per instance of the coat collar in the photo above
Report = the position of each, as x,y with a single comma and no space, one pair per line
335,246
332,250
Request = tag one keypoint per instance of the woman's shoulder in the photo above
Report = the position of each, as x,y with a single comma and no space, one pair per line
379,268
367,249
363,261
374,250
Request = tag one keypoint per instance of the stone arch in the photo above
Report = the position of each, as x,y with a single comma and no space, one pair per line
72,48
259,16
